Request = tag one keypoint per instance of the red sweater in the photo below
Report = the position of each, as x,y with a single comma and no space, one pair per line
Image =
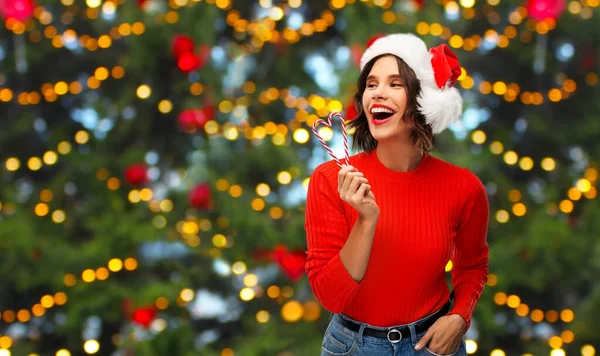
428,216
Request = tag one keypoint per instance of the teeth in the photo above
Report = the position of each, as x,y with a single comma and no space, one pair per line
379,110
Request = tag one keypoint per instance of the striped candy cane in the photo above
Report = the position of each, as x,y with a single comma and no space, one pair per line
328,124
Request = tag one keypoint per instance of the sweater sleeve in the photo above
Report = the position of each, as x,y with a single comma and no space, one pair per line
326,233
471,251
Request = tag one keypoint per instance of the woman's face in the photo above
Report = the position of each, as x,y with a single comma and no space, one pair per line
384,101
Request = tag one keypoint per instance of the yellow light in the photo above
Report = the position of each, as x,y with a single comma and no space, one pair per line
496,147
292,311
165,106
63,352
557,352
583,185
12,164
510,157
502,216
102,273
471,346
187,295
247,294
64,147
69,279
109,8
262,316
500,298
250,280
50,157
492,280
574,193
161,303
23,315
5,352
263,190
568,336
211,127
284,177
301,135
567,315
295,3
143,91
276,13
467,3
91,4
34,163
522,310
41,209
219,240
519,209
497,352
60,298
548,164
87,276
38,310
115,265
82,137
130,264
235,191
513,301
47,301
588,350
555,342
166,205
238,267
537,315
526,163
552,316
273,292
499,88
566,206
58,216
91,346
146,194
101,73
478,137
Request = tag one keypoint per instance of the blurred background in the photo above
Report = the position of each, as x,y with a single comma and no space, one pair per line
155,157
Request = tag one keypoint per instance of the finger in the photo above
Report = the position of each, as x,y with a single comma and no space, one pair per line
342,174
356,182
359,197
424,340
348,180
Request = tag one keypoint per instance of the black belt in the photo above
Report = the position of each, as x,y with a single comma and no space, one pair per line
394,335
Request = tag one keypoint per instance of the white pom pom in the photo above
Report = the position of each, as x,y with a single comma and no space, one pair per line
440,107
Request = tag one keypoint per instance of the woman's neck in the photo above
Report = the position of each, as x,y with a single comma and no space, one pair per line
399,156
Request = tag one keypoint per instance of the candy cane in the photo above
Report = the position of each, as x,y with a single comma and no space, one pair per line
328,124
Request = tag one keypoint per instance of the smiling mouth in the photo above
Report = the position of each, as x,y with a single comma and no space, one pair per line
381,114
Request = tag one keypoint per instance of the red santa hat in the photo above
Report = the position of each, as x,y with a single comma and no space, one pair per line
437,69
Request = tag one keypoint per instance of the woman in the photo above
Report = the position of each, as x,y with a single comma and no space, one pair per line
381,230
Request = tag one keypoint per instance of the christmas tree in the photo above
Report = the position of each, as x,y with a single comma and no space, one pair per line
156,155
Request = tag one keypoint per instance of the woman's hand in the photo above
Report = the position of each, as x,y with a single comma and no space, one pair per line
355,190
444,336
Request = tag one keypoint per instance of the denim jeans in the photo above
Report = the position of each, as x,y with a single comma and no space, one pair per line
340,341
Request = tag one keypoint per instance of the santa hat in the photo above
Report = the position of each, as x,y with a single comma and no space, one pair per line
437,70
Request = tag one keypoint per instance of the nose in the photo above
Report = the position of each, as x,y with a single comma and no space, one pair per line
380,92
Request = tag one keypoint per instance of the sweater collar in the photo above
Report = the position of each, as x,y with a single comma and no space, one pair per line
398,177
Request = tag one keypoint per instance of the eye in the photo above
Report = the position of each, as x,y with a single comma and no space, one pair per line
371,85
396,85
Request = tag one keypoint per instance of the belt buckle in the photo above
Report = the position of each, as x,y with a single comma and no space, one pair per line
399,336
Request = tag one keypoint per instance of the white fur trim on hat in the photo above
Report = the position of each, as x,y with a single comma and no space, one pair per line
441,107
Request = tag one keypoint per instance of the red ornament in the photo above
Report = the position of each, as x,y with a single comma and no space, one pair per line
351,113
541,10
446,67
191,120
291,262
182,44
136,175
209,112
356,52
141,3
188,62
200,197
144,316
19,10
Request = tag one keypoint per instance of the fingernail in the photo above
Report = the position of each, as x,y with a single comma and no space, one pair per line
417,346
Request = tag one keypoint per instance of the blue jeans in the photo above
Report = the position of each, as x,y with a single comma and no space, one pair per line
340,341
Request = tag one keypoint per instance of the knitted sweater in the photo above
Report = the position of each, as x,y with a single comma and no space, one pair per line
429,215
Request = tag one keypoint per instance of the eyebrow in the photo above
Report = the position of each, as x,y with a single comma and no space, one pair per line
393,76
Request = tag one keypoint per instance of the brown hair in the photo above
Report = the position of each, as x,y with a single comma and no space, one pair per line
421,135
